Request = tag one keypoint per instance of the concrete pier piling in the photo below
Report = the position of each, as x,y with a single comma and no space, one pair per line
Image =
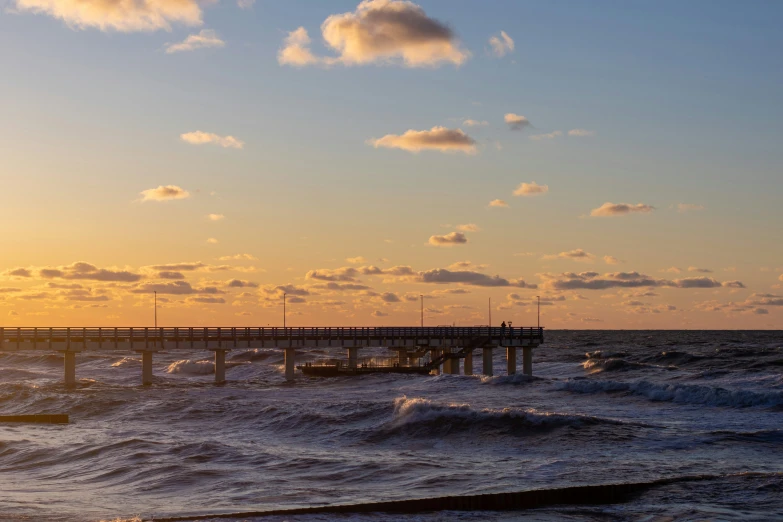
146,366
220,364
527,361
468,366
69,357
290,363
511,360
487,361
353,356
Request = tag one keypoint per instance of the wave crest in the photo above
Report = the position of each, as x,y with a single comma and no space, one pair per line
186,366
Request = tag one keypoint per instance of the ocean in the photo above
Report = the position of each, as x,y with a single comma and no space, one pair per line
603,407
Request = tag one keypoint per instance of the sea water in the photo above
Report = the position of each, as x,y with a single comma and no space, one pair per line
603,407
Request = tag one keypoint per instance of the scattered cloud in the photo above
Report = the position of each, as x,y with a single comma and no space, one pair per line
502,44
468,227
498,203
18,272
576,254
467,277
378,313
289,289
531,189
450,239
215,217
549,136
204,39
212,241
239,283
122,15
86,271
358,260
581,133
166,274
516,121
611,260
207,300
437,138
699,270
619,209
164,193
378,32
238,257
594,281
201,138
246,4
687,207
475,123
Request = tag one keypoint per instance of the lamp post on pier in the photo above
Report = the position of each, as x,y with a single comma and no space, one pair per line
284,294
422,309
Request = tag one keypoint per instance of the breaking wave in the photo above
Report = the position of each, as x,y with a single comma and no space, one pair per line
188,367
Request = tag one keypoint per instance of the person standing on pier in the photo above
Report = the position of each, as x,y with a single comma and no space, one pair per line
502,330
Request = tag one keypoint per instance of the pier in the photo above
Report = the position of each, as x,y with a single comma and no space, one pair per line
445,346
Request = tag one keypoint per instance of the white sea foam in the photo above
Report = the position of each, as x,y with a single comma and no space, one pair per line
186,366
126,361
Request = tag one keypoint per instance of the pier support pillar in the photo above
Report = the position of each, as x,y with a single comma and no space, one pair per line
70,367
220,365
434,354
451,366
290,356
487,360
527,360
469,363
353,357
511,360
146,366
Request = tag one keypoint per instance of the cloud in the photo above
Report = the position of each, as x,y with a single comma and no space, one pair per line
380,32
498,203
468,227
355,260
341,287
516,121
780,278
576,254
346,273
200,138
204,39
185,267
85,271
238,257
166,274
207,300
173,288
550,136
212,241
531,189
611,260
581,133
700,270
378,313
215,217
118,15
164,193
437,138
594,281
475,123
389,297
18,272
246,4
468,277
501,45
238,283
450,239
619,209
687,207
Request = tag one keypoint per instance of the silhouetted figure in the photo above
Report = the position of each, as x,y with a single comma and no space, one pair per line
502,330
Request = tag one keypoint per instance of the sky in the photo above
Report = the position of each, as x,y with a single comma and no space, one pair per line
621,161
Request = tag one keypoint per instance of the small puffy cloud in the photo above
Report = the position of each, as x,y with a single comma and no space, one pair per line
467,277
85,271
117,15
389,297
475,123
594,281
498,203
619,209
215,217
699,270
358,260
246,4
206,300
164,193
450,239
531,189
379,31
170,274
549,136
502,44
378,313
576,254
185,267
172,288
611,260
687,207
238,257
437,138
18,272
204,39
780,278
346,273
581,133
212,241
201,138
238,283
761,311
468,227
289,289
516,121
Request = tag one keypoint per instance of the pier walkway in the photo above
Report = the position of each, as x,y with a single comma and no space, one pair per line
445,343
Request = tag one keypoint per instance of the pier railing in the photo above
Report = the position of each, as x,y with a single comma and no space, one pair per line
32,337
